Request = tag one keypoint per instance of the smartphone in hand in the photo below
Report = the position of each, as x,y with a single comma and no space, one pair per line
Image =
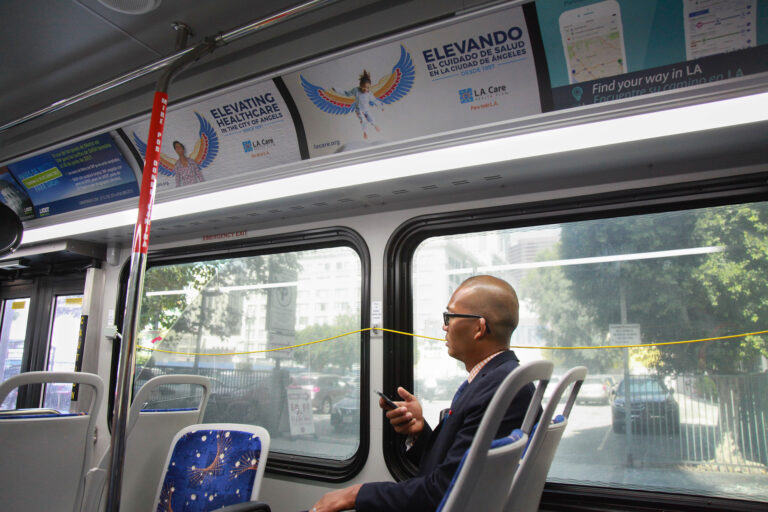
390,404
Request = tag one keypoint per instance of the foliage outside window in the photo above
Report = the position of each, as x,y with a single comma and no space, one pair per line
698,416
238,308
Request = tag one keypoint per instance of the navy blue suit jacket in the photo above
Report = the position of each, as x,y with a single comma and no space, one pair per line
439,451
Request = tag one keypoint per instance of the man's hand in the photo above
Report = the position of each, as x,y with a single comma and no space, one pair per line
343,499
407,419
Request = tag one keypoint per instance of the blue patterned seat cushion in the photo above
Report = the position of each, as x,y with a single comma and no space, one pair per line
210,469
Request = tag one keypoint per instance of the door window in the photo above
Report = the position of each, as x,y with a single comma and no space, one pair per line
13,328
62,348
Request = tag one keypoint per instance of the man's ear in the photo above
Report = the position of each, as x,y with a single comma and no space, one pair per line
486,330
482,329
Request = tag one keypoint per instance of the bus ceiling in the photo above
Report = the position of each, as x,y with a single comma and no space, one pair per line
302,159
183,32
99,45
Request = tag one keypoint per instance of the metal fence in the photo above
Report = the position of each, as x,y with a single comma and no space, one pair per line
726,421
247,396
713,422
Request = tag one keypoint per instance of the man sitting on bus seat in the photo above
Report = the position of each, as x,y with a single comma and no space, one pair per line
481,316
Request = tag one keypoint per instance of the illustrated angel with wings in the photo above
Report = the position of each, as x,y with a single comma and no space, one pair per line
188,169
360,99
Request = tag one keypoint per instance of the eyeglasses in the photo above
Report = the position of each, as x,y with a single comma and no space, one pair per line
447,318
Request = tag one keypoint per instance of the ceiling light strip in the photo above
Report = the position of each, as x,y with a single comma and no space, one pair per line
677,121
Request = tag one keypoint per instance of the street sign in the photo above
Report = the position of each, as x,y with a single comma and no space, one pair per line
625,334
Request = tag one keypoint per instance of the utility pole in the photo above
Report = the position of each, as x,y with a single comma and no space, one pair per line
627,384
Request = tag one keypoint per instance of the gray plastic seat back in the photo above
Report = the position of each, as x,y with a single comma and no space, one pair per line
529,480
149,435
45,456
485,475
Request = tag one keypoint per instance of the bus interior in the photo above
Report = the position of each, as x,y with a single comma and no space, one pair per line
330,171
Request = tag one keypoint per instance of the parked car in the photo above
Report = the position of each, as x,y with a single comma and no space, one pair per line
255,403
653,408
325,390
594,390
346,413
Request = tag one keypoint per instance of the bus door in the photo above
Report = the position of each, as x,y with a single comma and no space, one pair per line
39,328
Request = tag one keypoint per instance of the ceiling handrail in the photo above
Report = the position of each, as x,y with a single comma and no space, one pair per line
220,39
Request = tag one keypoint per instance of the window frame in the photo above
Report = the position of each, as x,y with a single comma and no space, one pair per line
398,291
313,468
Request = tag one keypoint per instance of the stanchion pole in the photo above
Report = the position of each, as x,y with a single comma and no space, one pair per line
135,285
140,246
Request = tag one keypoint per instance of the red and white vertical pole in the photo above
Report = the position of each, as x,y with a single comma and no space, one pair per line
149,174
141,232
127,362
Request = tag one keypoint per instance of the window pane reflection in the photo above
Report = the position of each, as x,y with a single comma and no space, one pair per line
698,413
239,308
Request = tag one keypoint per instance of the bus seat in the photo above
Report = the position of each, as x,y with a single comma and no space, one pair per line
529,480
149,434
485,474
45,455
214,465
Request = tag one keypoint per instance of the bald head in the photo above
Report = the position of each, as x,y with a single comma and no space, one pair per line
496,300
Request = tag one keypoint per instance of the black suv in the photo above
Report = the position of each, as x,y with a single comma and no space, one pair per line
653,408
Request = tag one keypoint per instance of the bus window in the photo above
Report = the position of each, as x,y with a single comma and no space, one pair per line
687,418
62,348
13,329
232,320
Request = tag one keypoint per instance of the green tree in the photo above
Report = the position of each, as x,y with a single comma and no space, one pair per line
565,321
161,311
687,296
660,294
342,352
735,279
203,301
